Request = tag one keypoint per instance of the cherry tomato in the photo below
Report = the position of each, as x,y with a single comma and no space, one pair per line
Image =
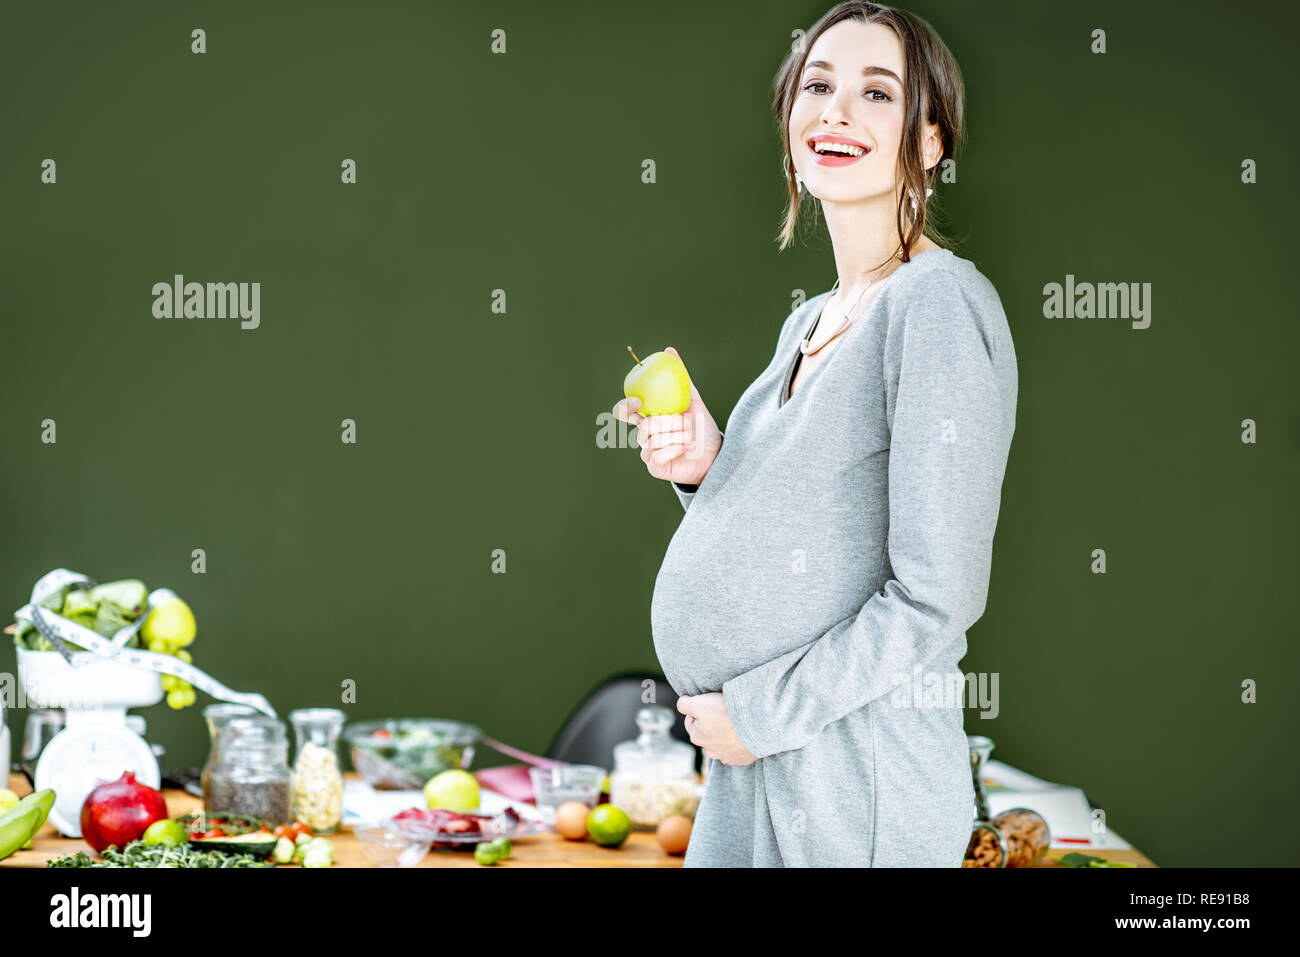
213,832
382,733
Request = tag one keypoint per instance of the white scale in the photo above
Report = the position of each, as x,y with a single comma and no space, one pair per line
95,688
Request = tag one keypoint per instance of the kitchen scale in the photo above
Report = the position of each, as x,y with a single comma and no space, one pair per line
95,688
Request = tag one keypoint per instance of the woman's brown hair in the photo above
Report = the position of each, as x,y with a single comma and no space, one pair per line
933,92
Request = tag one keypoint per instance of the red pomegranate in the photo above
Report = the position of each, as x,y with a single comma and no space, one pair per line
118,812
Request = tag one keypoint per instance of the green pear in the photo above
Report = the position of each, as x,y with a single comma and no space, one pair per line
660,382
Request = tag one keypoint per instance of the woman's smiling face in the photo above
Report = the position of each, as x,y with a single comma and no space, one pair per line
861,110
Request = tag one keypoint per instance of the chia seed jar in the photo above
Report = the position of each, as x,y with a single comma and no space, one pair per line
215,716
252,775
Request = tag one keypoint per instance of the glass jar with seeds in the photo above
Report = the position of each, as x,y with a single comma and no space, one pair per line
252,773
215,716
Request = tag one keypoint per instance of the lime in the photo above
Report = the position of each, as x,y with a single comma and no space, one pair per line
169,832
502,846
608,825
486,853
453,790
171,623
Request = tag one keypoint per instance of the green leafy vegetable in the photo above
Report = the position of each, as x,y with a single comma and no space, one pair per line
1075,859
139,854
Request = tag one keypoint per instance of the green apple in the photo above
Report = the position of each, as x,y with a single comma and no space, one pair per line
660,382
453,790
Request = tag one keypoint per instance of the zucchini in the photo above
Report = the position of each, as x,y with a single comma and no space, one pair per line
254,843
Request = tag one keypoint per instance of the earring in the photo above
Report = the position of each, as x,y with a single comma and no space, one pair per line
798,182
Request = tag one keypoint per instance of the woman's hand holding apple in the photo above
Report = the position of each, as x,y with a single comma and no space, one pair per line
679,447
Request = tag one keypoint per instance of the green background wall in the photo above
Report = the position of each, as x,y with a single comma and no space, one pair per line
476,430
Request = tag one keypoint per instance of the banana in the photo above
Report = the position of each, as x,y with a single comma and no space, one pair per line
21,822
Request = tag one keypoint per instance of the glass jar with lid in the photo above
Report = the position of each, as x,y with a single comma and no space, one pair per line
654,774
215,716
251,776
1017,837
980,749
317,780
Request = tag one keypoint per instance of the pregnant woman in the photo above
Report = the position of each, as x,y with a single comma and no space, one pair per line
837,538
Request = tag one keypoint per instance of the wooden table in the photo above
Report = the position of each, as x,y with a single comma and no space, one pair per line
539,850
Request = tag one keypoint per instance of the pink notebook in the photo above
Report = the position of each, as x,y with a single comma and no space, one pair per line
511,780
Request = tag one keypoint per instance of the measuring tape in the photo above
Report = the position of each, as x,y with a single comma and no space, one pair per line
60,632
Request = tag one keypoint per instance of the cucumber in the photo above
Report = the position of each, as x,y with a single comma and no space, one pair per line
256,844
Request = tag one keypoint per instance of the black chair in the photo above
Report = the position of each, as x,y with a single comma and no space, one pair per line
607,716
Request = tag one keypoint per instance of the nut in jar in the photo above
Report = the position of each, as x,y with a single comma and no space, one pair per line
317,789
317,781
1015,838
1026,835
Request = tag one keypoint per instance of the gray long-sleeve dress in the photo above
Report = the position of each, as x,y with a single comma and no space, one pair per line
825,573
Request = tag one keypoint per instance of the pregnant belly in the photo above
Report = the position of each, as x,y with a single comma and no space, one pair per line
727,599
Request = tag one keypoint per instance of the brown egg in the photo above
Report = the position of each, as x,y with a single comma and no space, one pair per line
674,834
571,820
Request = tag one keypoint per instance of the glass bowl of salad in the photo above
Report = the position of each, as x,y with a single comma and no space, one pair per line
403,753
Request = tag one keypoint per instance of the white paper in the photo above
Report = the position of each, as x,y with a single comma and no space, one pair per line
1065,809
362,804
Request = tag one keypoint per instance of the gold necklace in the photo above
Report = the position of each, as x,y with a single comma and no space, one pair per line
844,323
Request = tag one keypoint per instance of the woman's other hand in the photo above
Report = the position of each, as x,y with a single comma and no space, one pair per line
680,447
710,727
